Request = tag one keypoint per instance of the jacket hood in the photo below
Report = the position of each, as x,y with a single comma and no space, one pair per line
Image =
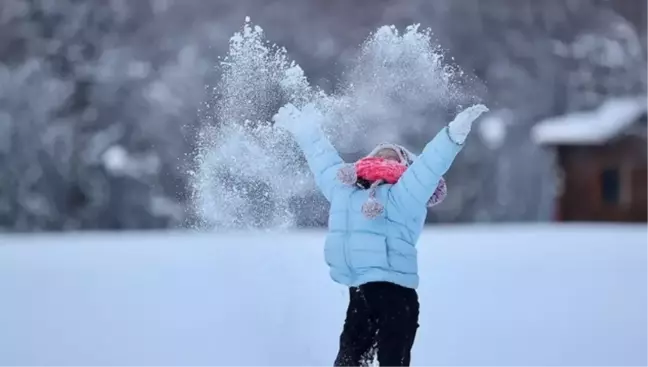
405,155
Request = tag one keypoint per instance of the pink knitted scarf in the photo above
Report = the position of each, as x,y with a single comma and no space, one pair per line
376,171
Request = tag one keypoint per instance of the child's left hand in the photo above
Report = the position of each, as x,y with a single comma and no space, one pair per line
460,127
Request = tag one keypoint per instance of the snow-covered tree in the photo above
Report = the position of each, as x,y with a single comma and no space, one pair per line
100,101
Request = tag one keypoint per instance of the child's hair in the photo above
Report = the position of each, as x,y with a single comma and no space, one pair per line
363,183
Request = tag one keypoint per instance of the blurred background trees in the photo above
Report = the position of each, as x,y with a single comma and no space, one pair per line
99,99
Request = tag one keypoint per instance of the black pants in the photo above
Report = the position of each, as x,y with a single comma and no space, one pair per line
382,318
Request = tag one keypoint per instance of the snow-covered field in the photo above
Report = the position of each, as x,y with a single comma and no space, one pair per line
506,295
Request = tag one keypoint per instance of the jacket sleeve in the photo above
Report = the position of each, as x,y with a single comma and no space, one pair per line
323,160
419,181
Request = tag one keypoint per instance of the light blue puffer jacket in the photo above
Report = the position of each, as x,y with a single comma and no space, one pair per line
358,249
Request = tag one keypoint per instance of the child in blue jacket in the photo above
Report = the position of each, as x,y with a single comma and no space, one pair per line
378,210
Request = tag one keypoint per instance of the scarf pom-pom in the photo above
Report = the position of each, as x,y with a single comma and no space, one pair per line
439,194
372,208
347,174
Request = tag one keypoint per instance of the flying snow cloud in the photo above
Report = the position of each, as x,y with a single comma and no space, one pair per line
247,172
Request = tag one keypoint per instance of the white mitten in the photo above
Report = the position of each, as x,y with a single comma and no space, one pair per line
287,117
307,120
460,127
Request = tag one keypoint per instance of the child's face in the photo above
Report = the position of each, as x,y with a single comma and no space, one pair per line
389,154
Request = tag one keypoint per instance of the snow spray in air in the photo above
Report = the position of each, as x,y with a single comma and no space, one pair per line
250,175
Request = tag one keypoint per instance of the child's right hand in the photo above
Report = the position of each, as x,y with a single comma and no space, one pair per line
287,117
295,120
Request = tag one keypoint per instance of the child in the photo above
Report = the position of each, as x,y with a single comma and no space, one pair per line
378,209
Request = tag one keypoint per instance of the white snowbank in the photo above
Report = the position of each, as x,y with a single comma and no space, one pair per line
591,127
537,295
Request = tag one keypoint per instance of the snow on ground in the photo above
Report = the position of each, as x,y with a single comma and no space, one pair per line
510,295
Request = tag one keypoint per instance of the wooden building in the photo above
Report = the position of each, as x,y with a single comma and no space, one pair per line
602,161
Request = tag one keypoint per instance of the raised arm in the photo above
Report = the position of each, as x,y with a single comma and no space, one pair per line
323,160
418,183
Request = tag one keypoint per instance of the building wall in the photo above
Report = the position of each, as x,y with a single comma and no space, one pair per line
604,183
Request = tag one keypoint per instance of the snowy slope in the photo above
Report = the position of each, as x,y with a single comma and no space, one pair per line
537,295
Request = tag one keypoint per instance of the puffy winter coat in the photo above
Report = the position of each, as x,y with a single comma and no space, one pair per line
358,249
